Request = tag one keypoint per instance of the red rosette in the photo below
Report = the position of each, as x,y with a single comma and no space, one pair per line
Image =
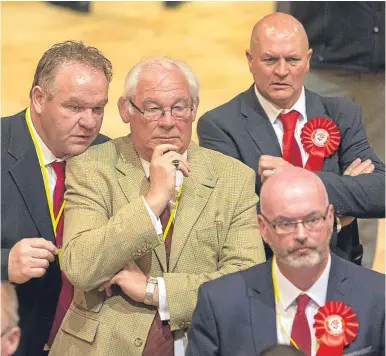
320,137
335,325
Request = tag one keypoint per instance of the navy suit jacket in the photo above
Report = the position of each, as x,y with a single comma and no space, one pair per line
241,129
235,314
24,213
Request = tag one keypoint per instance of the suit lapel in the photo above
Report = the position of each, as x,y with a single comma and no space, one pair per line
196,191
262,305
27,165
258,125
134,183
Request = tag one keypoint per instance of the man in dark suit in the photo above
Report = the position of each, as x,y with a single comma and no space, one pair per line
251,127
68,96
277,301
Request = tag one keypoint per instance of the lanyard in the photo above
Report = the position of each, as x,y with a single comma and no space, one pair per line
172,214
54,221
277,299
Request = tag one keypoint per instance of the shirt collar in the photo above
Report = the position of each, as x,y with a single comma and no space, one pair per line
288,292
273,111
48,156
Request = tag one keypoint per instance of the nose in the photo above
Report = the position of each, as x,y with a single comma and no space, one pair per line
301,232
281,68
167,120
88,119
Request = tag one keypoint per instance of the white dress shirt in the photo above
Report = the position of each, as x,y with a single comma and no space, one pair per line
273,112
180,340
287,304
48,158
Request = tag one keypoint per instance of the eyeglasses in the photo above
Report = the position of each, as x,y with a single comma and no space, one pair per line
179,112
289,227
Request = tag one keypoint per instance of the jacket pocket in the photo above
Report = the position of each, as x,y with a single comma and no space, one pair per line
80,326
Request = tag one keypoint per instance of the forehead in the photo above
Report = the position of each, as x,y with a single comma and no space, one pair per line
294,202
78,79
161,84
271,40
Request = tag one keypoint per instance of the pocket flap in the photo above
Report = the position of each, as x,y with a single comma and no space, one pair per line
80,326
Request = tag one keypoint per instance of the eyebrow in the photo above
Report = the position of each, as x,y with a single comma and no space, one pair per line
83,103
312,214
155,101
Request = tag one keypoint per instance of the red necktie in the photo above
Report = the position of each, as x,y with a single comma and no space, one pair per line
67,291
291,150
160,338
300,328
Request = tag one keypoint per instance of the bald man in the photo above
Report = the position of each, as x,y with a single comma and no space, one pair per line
262,126
238,314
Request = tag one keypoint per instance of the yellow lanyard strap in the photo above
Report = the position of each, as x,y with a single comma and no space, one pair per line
172,214
54,221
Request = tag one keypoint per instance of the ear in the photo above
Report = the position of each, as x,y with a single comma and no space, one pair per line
38,97
262,226
195,108
13,339
124,110
248,54
309,55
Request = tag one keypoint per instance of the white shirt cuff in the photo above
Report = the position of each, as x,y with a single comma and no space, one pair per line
155,221
163,308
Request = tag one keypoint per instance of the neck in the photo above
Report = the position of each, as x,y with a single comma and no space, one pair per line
40,131
302,278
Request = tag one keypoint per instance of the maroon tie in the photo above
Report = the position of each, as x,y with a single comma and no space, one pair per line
291,150
67,290
300,328
160,338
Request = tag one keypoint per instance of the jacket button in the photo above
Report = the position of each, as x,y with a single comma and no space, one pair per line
181,325
376,29
138,342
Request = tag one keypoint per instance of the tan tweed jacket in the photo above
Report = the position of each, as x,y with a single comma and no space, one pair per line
107,226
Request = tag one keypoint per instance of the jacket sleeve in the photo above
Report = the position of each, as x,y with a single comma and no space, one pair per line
93,232
203,335
361,196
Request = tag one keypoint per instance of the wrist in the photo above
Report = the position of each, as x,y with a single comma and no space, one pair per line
150,291
156,202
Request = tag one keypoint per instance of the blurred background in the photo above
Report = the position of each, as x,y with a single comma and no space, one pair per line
210,36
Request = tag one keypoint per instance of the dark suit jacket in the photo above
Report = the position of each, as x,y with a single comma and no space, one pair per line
235,314
241,129
24,213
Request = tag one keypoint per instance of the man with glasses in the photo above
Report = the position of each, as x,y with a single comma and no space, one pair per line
158,217
276,302
10,331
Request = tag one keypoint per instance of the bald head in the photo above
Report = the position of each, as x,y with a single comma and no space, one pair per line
292,189
279,26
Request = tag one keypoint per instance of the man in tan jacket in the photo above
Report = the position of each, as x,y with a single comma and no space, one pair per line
149,218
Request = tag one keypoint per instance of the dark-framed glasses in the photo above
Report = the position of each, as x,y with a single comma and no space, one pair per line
314,223
178,111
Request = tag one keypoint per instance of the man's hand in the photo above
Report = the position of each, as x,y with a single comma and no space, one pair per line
132,282
163,176
269,165
30,258
356,168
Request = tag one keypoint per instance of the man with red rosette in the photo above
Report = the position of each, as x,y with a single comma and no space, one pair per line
277,123
305,296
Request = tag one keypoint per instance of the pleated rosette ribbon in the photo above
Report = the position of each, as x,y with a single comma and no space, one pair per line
336,326
320,137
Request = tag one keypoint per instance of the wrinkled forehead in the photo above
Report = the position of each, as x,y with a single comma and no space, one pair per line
159,83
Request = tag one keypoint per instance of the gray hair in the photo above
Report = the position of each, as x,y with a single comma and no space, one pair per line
165,63
9,305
